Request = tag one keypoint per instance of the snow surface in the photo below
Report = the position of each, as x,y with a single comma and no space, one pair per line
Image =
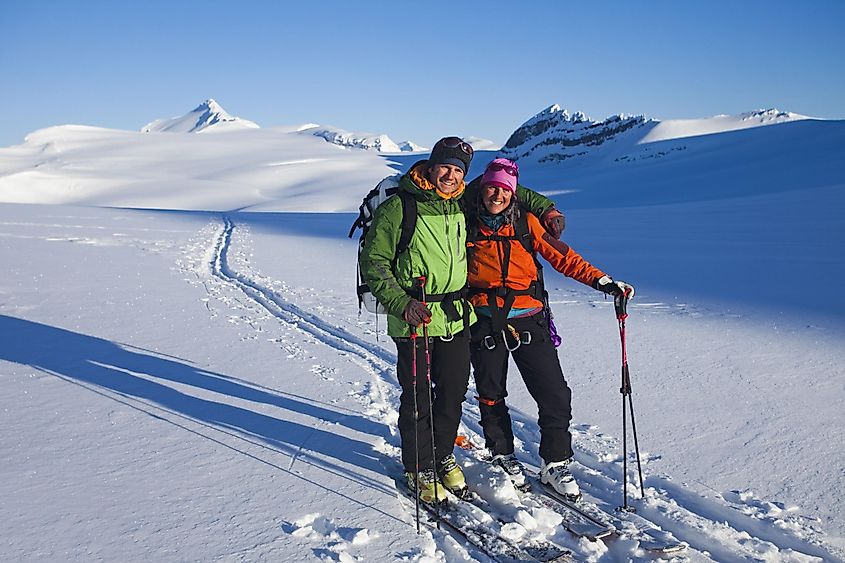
194,382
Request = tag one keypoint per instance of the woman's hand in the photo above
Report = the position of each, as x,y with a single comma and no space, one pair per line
607,285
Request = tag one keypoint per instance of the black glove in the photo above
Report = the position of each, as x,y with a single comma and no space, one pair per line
554,222
416,313
607,285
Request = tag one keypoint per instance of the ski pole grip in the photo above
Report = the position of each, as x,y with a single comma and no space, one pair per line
621,303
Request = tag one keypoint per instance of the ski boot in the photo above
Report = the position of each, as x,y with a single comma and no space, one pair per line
452,477
512,468
557,475
430,488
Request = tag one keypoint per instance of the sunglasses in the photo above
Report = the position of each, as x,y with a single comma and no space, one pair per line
511,169
456,142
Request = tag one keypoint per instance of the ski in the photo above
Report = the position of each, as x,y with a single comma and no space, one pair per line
458,516
651,538
575,521
536,547
584,518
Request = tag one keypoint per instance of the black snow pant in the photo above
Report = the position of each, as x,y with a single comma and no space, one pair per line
449,377
540,368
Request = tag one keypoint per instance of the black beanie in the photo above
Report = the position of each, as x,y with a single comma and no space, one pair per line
451,150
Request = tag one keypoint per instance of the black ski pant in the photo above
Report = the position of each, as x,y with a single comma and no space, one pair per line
450,378
540,368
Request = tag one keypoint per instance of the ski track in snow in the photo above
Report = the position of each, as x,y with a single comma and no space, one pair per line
736,527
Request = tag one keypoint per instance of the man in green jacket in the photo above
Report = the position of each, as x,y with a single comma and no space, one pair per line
435,259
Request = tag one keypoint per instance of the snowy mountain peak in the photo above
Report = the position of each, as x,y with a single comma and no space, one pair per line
770,115
209,115
410,146
554,134
366,141
209,105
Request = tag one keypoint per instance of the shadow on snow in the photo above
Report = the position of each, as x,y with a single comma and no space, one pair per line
132,374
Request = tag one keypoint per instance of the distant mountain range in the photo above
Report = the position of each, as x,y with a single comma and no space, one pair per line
555,135
551,136
367,141
209,116
223,162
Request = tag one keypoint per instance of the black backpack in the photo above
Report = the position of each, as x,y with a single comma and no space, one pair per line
385,189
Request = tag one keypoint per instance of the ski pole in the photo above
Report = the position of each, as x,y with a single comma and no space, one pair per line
416,424
621,302
430,401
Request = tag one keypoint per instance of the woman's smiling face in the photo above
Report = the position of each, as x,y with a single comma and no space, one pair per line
495,198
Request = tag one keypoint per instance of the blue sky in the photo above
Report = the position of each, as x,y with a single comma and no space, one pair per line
413,70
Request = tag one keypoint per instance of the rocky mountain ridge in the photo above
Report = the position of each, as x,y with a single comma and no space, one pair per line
554,135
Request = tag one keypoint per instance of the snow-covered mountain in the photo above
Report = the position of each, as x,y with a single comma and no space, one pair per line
482,144
367,141
410,146
208,116
682,128
634,160
554,135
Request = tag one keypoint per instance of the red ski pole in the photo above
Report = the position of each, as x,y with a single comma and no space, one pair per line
621,302
421,281
416,423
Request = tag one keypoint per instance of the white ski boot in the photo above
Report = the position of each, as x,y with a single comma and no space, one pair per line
558,476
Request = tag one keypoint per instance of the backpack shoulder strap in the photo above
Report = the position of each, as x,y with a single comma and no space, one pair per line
409,221
521,232
360,221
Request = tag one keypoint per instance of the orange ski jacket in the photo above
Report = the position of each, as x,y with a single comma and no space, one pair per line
486,259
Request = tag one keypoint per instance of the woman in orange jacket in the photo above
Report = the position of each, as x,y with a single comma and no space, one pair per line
506,290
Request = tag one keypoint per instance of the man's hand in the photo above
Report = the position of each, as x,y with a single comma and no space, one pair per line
416,313
554,222
607,285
